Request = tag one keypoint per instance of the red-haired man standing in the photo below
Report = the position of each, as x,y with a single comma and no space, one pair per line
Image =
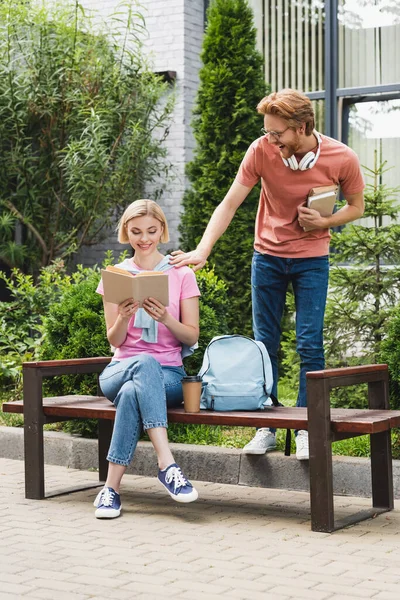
291,241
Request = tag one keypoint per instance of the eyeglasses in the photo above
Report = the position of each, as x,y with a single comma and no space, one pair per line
275,134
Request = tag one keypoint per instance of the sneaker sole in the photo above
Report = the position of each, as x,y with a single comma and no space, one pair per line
182,498
258,451
302,457
107,513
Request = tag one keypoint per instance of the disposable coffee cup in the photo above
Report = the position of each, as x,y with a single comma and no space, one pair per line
191,386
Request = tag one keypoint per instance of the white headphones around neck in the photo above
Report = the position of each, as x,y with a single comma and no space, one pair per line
308,161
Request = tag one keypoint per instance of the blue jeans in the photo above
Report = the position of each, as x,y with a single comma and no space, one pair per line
309,277
141,389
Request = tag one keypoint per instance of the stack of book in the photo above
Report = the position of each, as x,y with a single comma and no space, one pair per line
322,199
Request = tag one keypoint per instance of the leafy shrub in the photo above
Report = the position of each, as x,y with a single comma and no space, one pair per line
213,309
83,119
21,318
75,328
390,354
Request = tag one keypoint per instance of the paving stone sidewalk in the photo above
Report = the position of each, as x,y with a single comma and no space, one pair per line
234,542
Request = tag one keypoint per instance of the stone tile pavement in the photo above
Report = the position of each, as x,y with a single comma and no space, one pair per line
234,542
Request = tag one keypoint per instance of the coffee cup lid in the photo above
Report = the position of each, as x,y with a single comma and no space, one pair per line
191,378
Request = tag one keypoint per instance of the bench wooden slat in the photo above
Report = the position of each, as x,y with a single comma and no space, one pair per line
343,420
344,371
67,362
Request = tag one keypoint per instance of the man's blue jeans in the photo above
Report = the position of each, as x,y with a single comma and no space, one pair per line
141,389
309,277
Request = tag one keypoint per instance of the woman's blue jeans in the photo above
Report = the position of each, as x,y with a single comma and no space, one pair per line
141,389
270,278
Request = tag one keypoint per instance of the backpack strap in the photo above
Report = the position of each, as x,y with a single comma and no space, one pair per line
288,442
275,400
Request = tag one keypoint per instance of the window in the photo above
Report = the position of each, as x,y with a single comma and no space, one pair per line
369,43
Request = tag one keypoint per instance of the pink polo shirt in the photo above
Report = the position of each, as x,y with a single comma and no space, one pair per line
167,350
283,190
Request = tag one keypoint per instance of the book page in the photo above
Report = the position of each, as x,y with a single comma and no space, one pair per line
154,285
119,287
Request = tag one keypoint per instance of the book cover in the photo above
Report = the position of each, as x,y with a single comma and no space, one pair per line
119,285
323,200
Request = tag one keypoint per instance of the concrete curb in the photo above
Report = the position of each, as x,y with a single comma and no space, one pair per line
352,476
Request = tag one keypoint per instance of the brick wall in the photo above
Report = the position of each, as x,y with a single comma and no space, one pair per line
175,32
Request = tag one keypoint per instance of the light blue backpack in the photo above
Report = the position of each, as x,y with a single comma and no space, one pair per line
237,375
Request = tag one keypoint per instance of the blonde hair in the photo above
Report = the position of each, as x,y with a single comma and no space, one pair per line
292,106
142,208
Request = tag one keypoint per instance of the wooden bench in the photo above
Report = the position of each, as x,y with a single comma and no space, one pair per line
325,425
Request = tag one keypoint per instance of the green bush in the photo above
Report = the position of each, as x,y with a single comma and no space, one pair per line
390,354
213,309
75,328
21,318
225,123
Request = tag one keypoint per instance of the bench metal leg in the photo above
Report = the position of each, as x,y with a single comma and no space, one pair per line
321,476
381,449
33,435
105,433
381,470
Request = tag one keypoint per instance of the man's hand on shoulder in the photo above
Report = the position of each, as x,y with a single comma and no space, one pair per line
311,219
195,258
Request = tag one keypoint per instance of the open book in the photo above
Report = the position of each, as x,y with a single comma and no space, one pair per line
119,285
323,200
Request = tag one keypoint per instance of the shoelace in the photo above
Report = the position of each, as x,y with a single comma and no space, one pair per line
107,497
175,474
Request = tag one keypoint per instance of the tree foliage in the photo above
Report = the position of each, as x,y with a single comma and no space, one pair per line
365,278
225,123
390,354
81,120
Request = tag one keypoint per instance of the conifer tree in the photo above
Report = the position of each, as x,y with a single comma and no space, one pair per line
225,123
365,278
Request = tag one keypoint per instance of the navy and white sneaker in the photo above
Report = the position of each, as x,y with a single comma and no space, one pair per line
108,504
178,487
97,499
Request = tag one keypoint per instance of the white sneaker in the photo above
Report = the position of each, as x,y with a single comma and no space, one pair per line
264,441
302,451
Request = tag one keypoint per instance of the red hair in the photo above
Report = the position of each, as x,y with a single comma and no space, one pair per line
292,106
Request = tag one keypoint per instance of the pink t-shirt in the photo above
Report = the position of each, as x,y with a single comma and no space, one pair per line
283,190
182,284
